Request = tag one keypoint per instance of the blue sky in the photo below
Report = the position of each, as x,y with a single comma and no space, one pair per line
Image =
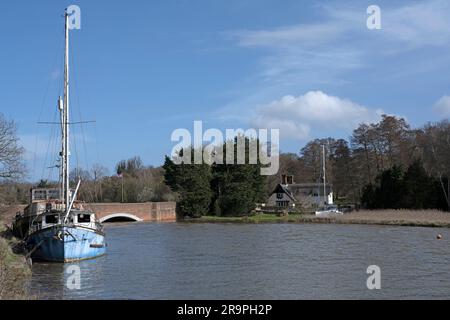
142,69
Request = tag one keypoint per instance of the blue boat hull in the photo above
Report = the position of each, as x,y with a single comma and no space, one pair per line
66,244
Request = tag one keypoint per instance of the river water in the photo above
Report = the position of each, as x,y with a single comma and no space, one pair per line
256,261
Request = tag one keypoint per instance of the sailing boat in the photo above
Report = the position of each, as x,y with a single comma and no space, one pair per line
328,208
56,227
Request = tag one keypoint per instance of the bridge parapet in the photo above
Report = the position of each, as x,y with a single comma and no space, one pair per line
150,211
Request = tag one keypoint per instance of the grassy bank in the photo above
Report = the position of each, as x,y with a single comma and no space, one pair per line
15,273
424,218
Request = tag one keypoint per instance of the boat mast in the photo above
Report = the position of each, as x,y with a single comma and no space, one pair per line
66,150
324,177
61,155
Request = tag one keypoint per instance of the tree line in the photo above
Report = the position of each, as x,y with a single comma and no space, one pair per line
371,153
128,185
386,164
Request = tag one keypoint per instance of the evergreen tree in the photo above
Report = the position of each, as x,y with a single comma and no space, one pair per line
238,187
391,188
368,198
192,183
220,189
419,189
413,189
439,195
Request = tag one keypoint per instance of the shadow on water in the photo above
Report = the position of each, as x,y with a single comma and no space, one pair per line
51,280
59,281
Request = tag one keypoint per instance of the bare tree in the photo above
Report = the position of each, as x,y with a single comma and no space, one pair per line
11,165
98,172
361,145
397,141
435,144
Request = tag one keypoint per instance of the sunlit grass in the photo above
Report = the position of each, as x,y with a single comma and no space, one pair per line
14,270
420,218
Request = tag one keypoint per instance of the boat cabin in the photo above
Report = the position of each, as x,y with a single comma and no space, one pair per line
46,210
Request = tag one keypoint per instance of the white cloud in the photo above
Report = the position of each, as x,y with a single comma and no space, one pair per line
306,35
418,24
341,43
442,106
297,116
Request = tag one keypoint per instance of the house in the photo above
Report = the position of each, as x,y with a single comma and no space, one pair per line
288,194
281,197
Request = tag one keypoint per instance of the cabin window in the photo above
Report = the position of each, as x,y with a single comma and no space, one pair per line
84,218
51,219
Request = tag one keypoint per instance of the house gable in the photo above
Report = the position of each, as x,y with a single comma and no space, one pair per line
281,195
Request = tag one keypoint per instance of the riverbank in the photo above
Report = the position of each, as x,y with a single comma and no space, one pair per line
419,218
15,273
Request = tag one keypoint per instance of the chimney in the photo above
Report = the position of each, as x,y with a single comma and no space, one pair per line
284,179
290,179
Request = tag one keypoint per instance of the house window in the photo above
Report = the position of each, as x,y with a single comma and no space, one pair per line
283,204
279,196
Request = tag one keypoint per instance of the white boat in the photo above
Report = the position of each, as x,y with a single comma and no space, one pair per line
328,209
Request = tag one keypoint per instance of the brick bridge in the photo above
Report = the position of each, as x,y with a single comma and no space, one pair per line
151,211
112,212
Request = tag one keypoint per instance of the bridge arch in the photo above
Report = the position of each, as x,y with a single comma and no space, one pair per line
120,217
